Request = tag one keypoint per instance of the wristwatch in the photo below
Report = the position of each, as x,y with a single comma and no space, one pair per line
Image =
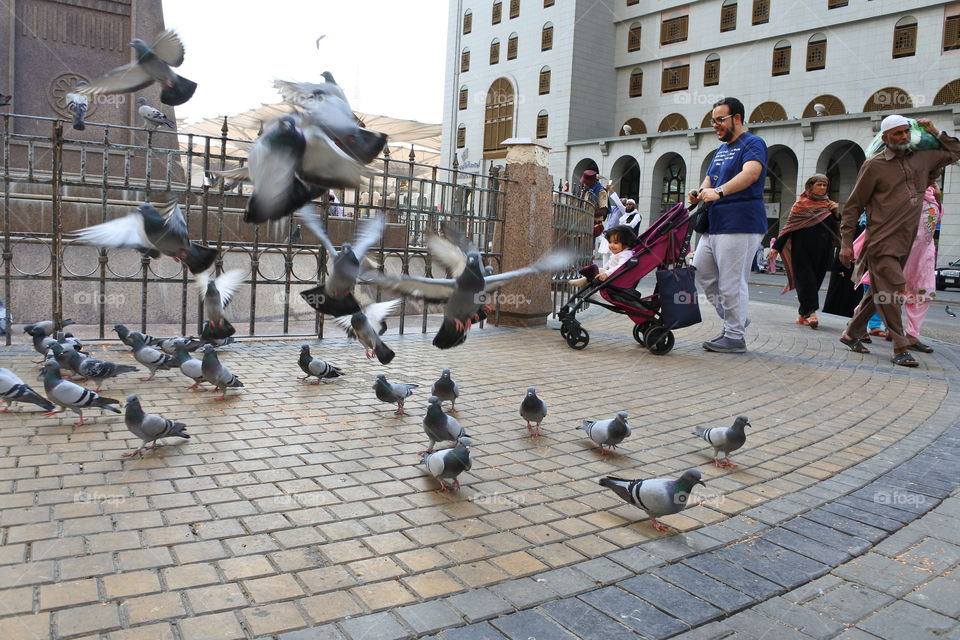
719,191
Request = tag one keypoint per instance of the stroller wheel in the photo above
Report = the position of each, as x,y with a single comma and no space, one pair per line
639,330
659,340
577,338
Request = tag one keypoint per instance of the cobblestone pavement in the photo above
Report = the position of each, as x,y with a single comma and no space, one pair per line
299,511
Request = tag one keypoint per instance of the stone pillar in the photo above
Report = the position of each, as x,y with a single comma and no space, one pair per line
528,232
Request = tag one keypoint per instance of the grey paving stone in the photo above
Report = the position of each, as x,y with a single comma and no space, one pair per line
931,555
886,524
479,604
904,539
603,571
427,617
767,515
813,589
807,621
671,599
478,631
828,536
856,634
744,525
712,631
566,581
754,625
326,632
647,620
885,510
846,525
775,563
883,493
850,602
525,625
635,558
806,546
705,587
940,594
882,573
740,579
681,545
721,534
586,622
903,619
376,626
523,592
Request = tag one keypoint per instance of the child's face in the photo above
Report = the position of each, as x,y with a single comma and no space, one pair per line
615,245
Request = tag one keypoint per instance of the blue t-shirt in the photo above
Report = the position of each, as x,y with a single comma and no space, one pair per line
743,211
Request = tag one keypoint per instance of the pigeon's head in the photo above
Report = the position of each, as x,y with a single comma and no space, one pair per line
445,373
212,288
140,47
531,391
466,441
347,247
623,416
132,399
433,400
742,421
141,101
121,330
305,348
691,477
381,379
210,357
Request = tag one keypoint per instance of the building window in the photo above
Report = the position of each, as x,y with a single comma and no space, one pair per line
781,58
675,79
512,46
461,136
828,106
467,21
546,37
951,33
674,181
905,38
543,123
462,100
817,52
768,112
673,30
633,37
498,118
547,3
711,70
949,93
633,127
728,15
630,3
496,13
636,83
495,51
514,9
887,99
465,61
544,81
673,122
836,4
761,11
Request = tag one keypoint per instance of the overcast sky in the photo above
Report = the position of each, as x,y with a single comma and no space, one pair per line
388,55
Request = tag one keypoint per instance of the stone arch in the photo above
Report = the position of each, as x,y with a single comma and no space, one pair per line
668,183
840,161
888,98
768,112
780,187
581,166
673,122
625,175
637,126
949,93
832,106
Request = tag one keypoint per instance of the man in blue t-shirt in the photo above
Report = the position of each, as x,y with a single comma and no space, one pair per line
737,222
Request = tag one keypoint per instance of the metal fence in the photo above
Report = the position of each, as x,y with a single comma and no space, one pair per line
572,230
56,181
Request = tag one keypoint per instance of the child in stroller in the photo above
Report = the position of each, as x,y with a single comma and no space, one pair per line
619,238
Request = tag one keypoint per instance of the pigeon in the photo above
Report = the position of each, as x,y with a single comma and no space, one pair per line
169,345
128,337
438,426
189,366
725,439
152,65
94,369
393,392
949,311
13,389
68,395
296,235
208,341
316,367
446,389
657,496
367,327
149,427
67,341
217,293
607,432
41,344
5,100
47,327
303,94
152,233
77,103
218,375
335,296
533,409
62,356
151,358
447,464
153,118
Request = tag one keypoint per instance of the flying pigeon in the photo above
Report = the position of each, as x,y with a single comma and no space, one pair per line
367,326
68,395
949,311
445,465
152,233
189,366
152,65
609,432
724,439
217,293
77,104
151,358
316,367
446,389
533,409
208,341
94,369
153,118
300,94
13,389
657,496
148,427
393,392
218,375
438,426
335,296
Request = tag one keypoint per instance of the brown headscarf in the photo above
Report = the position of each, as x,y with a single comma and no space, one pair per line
807,211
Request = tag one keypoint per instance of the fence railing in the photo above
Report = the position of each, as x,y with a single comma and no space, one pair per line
573,231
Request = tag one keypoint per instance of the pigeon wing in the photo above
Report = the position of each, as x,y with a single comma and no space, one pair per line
174,221
368,235
554,261
438,289
447,253
228,282
377,311
122,233
169,48
308,214
126,79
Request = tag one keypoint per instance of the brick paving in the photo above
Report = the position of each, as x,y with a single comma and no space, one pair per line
299,511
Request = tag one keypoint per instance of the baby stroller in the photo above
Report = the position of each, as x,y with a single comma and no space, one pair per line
664,243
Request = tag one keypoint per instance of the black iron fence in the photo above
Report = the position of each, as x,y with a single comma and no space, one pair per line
573,230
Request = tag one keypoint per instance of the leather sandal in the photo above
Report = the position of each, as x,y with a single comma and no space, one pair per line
919,346
854,344
866,339
904,360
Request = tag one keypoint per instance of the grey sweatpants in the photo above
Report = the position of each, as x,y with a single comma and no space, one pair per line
723,270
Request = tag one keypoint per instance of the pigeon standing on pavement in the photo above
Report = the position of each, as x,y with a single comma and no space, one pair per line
68,395
609,432
13,389
152,117
47,327
153,359
657,496
446,389
148,427
949,311
128,337
447,464
438,426
533,409
189,366
316,367
77,104
190,344
95,369
217,293
393,392
218,375
367,326
152,65
724,439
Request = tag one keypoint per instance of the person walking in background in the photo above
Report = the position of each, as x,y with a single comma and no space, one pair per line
596,195
806,242
920,272
737,223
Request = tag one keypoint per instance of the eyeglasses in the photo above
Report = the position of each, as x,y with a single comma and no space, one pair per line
716,121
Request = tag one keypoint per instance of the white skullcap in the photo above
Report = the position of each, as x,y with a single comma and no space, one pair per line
892,122
630,201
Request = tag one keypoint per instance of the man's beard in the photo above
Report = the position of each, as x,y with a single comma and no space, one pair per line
898,147
727,136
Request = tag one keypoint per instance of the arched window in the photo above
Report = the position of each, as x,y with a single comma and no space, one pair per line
496,12
816,52
728,15
673,122
832,106
949,93
512,43
905,37
495,51
498,118
633,37
761,11
543,124
461,136
514,9
633,127
544,81
467,21
707,121
546,37
547,3
768,112
674,183
781,58
888,98
636,83
465,60
711,70
462,100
